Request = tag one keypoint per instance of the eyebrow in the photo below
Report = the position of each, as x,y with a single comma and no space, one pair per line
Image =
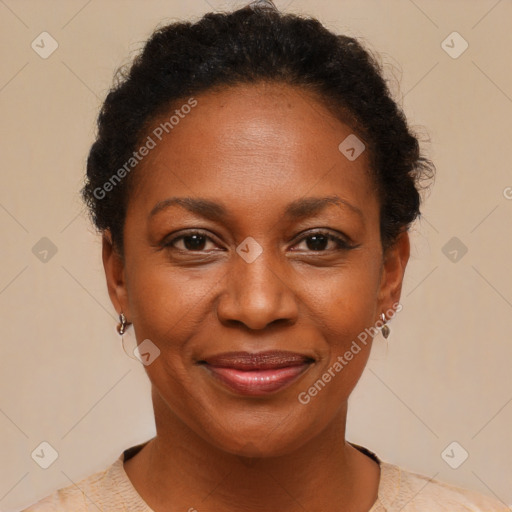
298,209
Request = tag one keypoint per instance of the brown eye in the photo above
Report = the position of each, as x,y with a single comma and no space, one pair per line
191,242
319,242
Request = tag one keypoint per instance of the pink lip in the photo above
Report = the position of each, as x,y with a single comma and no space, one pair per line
258,373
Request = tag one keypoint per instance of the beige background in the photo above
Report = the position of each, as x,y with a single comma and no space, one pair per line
446,374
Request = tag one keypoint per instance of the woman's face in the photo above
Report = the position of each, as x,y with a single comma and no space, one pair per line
239,265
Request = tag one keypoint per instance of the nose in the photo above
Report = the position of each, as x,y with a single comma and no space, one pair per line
257,294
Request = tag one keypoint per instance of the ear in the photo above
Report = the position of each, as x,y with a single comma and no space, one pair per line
114,273
395,261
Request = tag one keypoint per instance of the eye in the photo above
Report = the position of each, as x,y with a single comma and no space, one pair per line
191,241
319,242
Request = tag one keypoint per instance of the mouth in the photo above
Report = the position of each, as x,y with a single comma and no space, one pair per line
259,373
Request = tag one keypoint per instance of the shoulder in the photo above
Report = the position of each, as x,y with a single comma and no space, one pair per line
77,497
401,490
106,490
412,492
73,497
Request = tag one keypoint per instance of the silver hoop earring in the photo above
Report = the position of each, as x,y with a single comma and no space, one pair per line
385,330
121,326
121,329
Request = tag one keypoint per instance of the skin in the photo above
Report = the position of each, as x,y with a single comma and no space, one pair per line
255,149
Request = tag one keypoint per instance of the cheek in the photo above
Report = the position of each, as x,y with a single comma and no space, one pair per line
347,299
346,308
169,304
166,302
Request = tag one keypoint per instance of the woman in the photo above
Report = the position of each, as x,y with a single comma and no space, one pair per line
254,182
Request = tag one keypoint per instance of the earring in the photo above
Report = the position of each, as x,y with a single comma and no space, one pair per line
385,330
121,329
121,326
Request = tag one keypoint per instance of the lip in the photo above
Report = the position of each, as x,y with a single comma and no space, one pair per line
257,373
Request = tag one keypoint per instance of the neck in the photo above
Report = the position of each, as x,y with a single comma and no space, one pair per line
179,470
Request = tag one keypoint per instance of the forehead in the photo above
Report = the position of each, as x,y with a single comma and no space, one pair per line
252,144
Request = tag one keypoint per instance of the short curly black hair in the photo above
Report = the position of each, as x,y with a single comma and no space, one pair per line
256,43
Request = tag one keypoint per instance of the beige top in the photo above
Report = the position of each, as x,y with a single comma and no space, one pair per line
399,491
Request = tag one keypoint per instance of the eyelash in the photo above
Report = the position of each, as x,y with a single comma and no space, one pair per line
342,245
